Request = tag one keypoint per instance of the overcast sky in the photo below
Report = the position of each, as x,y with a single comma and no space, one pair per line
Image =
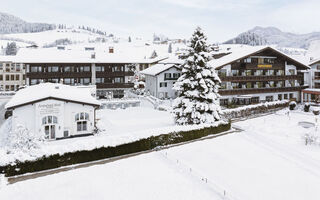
221,19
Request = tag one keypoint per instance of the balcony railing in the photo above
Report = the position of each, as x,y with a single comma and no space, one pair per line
114,74
59,74
260,90
260,78
114,85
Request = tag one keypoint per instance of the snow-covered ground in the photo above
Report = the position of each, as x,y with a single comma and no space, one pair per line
268,160
117,127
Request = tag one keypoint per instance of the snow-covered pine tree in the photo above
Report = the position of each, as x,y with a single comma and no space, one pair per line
198,100
170,48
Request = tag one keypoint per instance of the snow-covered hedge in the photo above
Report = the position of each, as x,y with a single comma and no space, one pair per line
58,160
249,110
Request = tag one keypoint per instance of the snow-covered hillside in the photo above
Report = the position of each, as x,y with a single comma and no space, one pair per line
12,24
274,35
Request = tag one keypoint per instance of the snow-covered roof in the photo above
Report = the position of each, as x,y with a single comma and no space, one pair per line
172,60
314,61
42,91
246,51
157,69
7,58
53,55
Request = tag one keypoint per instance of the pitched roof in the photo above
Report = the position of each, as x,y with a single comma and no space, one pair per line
43,91
53,55
157,69
246,52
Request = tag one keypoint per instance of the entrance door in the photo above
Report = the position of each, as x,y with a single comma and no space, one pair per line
50,131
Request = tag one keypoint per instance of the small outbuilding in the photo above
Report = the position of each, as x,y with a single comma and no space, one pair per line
54,110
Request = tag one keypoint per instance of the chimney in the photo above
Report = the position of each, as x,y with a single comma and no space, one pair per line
111,50
93,56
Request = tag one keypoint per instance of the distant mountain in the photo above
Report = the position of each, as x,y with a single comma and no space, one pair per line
272,35
11,24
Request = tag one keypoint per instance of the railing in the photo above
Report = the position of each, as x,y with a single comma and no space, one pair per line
260,78
114,85
59,74
260,90
114,74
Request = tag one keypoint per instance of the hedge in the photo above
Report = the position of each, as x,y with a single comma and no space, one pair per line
247,111
56,160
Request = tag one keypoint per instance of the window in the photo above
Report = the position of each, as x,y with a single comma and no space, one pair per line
269,98
167,76
291,72
247,60
36,69
1,77
82,121
7,78
285,96
235,72
222,73
258,72
18,68
163,84
53,69
260,61
279,96
248,72
49,120
269,60
117,68
100,80
223,86
12,77
318,67
176,75
67,69
255,100
84,69
118,80
100,68
291,96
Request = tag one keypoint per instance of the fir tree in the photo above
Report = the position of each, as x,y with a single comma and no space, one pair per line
170,48
198,100
129,40
11,49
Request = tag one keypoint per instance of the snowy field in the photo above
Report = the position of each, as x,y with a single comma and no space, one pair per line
268,160
117,127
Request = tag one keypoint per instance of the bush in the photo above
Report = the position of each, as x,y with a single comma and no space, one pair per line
56,160
306,107
316,112
292,105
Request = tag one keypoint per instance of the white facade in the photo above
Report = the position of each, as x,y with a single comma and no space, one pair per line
161,84
313,76
54,119
12,75
54,111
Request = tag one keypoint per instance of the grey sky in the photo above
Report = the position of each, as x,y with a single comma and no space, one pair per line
221,19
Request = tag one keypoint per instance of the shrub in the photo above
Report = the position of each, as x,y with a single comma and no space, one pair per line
292,105
306,107
316,112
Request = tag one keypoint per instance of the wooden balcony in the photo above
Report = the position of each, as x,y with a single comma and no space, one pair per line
260,90
114,74
114,85
260,78
44,75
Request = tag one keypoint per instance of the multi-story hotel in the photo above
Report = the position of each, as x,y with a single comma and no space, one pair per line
111,73
312,94
12,74
259,74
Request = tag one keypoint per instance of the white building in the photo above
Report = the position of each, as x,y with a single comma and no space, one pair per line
12,74
160,79
312,94
54,110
